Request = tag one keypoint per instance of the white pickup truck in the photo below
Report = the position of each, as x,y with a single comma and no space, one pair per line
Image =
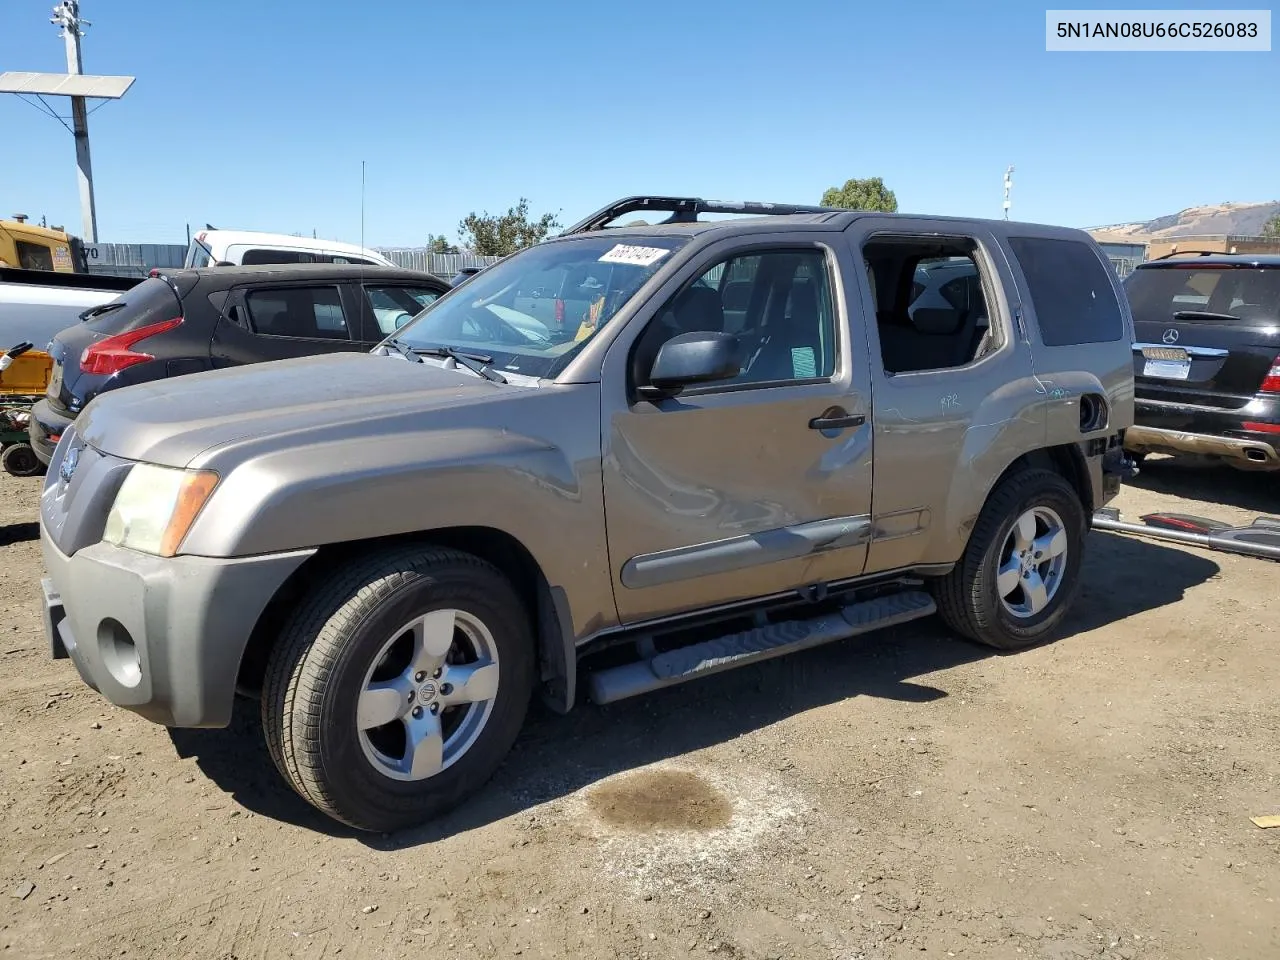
36,304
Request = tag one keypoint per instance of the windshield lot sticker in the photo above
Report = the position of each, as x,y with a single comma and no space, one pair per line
637,256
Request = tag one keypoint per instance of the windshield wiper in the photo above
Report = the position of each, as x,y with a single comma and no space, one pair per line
404,349
1203,315
99,310
475,362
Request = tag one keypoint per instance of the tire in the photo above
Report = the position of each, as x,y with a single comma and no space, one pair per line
313,713
21,461
970,599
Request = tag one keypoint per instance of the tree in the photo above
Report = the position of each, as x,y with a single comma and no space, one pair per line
869,194
1272,227
499,235
439,244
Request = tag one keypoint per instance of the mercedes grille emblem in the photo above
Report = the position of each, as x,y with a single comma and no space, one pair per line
69,462
1170,336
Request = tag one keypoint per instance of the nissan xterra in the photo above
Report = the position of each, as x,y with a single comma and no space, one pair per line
750,439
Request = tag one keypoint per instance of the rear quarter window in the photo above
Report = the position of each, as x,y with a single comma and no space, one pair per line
1070,290
151,301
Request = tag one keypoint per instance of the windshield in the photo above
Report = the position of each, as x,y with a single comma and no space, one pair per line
533,311
1250,295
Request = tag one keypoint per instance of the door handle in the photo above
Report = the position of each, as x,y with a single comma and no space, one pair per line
836,419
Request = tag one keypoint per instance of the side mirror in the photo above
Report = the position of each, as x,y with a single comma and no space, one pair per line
699,357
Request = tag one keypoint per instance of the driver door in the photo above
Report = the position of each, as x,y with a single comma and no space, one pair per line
757,484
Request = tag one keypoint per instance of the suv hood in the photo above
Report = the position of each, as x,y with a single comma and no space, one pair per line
172,421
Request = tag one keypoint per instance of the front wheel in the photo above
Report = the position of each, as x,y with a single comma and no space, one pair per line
1020,571
399,686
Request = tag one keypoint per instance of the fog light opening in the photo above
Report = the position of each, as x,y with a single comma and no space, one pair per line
119,652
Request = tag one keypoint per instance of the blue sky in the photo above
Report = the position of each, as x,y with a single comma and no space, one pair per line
258,114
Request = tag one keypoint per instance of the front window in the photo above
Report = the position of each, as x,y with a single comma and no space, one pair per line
34,256
533,311
394,306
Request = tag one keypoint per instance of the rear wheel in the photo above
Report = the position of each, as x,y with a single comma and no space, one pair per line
21,461
399,686
1020,571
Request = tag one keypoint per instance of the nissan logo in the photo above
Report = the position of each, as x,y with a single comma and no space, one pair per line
1170,336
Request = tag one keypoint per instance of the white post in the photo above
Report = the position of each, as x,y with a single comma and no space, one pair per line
1008,185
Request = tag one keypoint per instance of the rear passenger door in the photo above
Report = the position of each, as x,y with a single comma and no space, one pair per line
281,321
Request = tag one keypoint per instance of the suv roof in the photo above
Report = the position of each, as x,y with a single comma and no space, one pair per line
272,272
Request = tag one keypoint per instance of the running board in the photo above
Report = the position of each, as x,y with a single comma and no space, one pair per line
752,646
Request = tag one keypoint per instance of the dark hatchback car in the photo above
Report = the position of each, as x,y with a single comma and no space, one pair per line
1207,358
187,321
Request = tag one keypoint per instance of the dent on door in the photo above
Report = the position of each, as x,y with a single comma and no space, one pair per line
698,514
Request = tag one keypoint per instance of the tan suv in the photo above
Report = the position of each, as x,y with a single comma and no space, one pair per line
764,433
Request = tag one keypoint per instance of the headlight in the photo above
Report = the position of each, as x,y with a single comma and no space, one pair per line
156,506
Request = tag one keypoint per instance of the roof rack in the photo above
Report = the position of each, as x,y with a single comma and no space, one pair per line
686,210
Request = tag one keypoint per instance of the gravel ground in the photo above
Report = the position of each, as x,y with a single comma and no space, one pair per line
900,795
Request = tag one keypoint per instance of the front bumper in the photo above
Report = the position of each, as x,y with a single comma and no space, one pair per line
162,637
45,429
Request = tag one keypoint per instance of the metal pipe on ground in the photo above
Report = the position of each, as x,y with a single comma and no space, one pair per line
1210,541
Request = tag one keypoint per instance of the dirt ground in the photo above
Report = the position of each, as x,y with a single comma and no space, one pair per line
899,795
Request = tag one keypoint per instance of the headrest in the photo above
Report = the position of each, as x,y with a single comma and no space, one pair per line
698,308
804,300
736,295
936,321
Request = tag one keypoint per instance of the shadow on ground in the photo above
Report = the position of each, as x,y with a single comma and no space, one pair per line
18,533
558,755
1211,485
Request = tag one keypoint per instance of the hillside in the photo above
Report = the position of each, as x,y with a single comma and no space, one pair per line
1232,219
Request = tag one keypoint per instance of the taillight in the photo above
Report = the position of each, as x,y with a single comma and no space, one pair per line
110,356
1271,382
559,313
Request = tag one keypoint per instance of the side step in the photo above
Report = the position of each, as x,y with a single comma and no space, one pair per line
752,646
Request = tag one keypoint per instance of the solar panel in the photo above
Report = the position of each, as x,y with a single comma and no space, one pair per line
65,84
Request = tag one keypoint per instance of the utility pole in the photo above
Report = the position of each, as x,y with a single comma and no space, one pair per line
79,87
67,16
1008,185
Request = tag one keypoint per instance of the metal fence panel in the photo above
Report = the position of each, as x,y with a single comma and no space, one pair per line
135,259
441,264
132,259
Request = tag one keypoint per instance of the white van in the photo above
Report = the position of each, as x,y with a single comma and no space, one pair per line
218,248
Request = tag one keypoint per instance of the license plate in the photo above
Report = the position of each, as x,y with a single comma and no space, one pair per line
1167,369
1164,353
55,381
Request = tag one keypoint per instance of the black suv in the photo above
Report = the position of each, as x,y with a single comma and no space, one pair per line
1207,358
187,321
